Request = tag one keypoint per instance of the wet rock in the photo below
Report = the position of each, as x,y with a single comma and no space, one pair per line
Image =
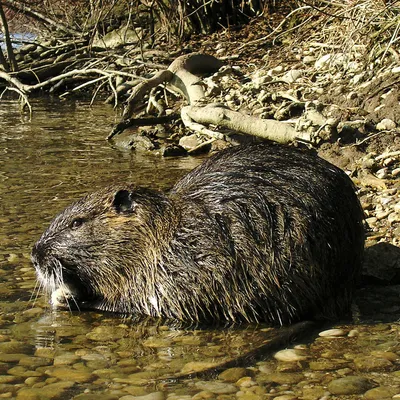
246,382
216,387
105,333
52,391
289,355
350,385
189,142
314,392
280,378
9,379
11,358
151,396
372,363
331,333
95,396
15,347
380,393
34,362
173,150
196,366
203,395
233,374
73,375
327,365
23,372
65,359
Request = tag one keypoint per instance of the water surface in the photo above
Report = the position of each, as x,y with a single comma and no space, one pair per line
53,159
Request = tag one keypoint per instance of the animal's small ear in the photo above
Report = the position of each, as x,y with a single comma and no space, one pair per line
123,202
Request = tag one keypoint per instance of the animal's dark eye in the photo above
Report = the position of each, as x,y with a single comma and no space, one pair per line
77,222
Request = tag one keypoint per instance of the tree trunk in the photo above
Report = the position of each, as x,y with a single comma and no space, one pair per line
10,52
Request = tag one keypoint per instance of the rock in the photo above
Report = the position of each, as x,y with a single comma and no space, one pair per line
371,363
34,362
327,365
11,358
380,393
189,142
196,366
289,355
280,378
232,374
52,391
292,75
95,396
309,60
203,395
216,387
350,385
151,396
386,125
65,359
72,375
323,62
332,333
173,150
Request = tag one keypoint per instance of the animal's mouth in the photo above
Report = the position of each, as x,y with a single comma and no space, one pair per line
73,293
66,288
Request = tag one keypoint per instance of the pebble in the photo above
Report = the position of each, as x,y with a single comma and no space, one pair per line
309,60
65,359
386,124
203,395
380,393
189,142
196,366
350,385
51,391
372,363
151,396
232,374
289,355
280,378
69,374
216,387
330,333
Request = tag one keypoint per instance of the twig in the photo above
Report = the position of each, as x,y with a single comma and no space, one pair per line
387,155
262,39
121,126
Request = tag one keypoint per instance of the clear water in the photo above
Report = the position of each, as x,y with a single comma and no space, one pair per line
45,163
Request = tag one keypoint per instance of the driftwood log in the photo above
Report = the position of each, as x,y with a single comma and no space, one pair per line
184,76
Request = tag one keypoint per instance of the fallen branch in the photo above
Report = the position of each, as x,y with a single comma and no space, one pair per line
264,128
182,76
120,127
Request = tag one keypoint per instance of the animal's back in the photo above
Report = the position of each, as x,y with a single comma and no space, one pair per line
291,221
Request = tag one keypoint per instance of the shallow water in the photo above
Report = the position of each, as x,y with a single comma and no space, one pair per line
47,162
53,159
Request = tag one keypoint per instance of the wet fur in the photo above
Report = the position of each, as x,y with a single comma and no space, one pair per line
256,233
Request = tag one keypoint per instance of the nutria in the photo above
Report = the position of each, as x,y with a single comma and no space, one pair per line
256,233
